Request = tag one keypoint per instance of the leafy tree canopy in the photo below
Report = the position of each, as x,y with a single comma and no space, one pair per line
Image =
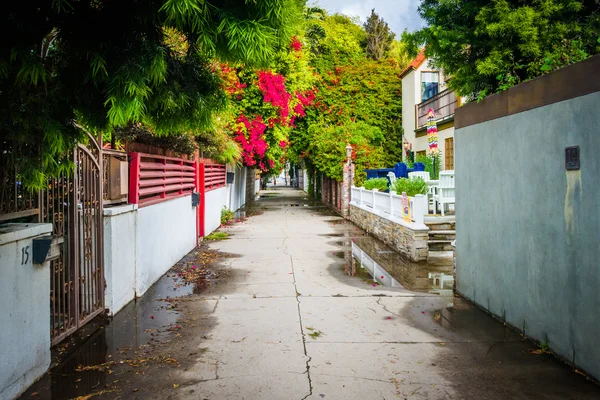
357,101
379,36
108,64
489,46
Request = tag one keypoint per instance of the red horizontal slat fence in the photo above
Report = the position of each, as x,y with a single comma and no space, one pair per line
154,178
215,176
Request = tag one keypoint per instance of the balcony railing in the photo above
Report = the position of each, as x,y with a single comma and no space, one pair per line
443,103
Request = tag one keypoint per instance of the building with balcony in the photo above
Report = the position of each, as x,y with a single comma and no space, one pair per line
424,87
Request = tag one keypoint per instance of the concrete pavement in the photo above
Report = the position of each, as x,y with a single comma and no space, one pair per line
281,311
289,323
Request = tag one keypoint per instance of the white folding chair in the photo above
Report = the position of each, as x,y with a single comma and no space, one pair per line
419,174
445,190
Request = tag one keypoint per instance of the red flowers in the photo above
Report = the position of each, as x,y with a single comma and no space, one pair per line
296,45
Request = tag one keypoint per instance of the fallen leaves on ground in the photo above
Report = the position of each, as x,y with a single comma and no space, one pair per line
132,362
89,396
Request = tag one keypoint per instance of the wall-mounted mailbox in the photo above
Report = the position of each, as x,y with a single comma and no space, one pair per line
230,177
45,248
572,162
195,199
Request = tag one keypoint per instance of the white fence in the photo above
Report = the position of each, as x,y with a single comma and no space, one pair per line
390,204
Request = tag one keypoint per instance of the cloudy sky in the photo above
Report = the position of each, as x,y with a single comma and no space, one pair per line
399,14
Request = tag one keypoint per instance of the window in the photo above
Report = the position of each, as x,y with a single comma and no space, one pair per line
449,154
429,84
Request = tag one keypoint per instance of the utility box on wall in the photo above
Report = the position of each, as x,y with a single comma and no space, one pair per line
118,180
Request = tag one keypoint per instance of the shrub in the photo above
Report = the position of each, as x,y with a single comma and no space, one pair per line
218,236
428,161
412,187
376,183
226,215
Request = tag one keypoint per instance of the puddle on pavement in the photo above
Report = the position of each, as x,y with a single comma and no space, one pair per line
375,263
131,334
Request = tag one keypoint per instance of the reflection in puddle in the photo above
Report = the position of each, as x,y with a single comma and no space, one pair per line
362,262
131,334
384,266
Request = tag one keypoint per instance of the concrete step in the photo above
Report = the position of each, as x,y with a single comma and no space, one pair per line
440,258
442,235
441,226
440,245
441,232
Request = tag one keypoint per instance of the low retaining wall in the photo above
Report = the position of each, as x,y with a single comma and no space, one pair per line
120,258
216,200
406,238
25,318
165,233
141,245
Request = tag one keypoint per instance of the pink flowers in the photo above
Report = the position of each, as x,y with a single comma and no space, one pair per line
252,139
273,89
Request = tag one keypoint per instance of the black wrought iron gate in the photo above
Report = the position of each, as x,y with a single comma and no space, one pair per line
73,204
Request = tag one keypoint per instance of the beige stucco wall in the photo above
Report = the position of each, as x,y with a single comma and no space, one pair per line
420,143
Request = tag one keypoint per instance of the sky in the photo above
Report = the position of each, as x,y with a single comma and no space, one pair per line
399,14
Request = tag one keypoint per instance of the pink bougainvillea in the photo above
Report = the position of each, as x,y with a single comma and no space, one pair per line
250,135
273,89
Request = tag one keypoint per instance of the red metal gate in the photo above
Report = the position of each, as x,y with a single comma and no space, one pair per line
73,204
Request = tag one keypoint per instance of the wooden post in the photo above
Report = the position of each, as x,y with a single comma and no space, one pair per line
134,178
202,193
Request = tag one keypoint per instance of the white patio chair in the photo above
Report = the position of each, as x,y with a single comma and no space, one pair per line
445,190
419,174
392,177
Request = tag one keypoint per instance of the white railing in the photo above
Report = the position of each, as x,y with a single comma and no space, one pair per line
390,204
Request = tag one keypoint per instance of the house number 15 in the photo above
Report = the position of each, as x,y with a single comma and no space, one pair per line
24,255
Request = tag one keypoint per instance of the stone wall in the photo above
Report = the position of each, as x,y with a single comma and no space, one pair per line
398,235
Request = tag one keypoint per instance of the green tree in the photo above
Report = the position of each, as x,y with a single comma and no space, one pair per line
351,88
107,65
379,36
489,46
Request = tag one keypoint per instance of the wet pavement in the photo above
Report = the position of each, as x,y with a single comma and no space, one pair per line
300,304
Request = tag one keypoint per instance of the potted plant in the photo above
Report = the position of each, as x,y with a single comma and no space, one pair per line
377,184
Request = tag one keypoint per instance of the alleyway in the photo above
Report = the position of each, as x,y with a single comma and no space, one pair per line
287,321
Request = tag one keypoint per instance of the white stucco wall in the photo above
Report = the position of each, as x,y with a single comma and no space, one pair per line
119,256
305,188
214,203
236,191
165,232
25,316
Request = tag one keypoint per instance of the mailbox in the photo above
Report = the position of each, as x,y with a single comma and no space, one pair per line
195,199
45,248
230,177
